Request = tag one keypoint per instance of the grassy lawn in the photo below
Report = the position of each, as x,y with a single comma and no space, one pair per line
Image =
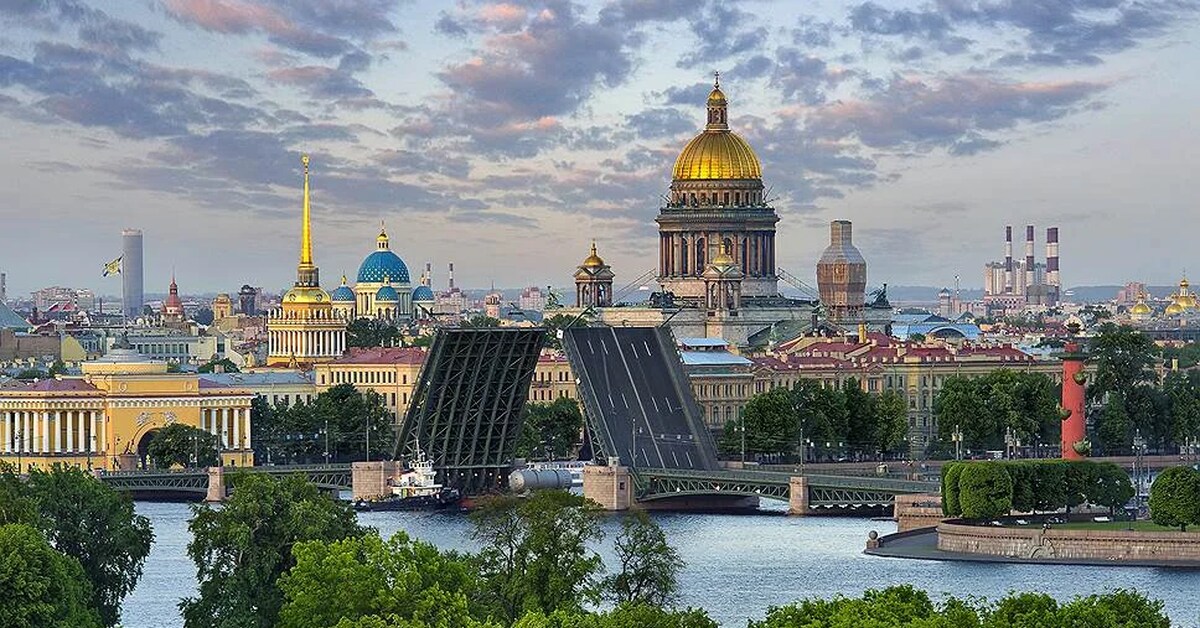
1140,526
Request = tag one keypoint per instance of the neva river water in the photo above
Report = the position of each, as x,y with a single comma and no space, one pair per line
737,565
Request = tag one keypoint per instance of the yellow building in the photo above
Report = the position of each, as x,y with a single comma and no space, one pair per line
305,329
107,418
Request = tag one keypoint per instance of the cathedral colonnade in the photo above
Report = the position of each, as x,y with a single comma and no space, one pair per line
686,254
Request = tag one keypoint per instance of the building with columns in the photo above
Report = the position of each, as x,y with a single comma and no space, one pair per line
593,282
305,329
106,418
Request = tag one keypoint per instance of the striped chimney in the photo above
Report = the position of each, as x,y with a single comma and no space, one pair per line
1052,257
451,276
1008,265
1029,260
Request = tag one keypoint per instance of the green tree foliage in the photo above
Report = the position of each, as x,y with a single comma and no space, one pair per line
550,430
183,445
481,320
224,365
986,407
557,322
649,566
370,332
359,580
1182,390
951,472
241,548
203,316
297,433
770,423
87,520
1046,485
57,368
627,616
17,504
985,491
906,607
1114,430
535,554
1111,487
1124,358
1175,497
40,587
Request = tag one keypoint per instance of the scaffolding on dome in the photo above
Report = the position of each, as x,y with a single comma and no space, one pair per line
467,408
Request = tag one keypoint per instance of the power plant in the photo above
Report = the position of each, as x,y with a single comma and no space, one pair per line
1013,285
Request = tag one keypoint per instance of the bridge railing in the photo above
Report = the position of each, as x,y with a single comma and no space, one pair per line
779,478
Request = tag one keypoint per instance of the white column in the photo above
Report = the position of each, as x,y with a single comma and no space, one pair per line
103,445
27,433
71,431
57,431
45,431
83,448
237,431
246,415
91,446
212,423
7,431
224,428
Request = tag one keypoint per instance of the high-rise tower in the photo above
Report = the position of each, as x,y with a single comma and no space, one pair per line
305,329
132,296
842,275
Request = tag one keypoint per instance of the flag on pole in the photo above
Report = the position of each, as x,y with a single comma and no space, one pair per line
113,267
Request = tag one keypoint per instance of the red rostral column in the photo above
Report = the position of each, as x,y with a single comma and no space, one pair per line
1074,427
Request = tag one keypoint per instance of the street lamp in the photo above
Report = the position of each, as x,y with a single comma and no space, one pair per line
327,441
1008,443
957,437
1139,467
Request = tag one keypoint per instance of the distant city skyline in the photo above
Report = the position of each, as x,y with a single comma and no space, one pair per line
505,136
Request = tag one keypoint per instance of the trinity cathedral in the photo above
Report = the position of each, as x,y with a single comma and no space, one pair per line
716,247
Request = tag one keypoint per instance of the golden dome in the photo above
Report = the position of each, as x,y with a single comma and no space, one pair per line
593,260
307,295
717,155
1140,309
1174,308
723,258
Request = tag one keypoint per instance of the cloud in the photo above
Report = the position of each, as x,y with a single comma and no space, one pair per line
722,32
953,112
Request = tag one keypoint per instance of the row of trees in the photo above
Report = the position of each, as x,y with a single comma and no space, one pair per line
986,490
340,424
986,409
278,553
71,549
551,431
826,423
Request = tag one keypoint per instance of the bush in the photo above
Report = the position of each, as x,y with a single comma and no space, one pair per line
985,491
951,472
1175,497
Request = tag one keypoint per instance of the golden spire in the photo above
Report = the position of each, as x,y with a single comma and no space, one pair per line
306,256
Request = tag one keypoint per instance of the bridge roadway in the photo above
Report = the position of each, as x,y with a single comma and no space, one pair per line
331,477
825,492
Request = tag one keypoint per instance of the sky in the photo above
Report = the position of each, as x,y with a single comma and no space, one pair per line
504,137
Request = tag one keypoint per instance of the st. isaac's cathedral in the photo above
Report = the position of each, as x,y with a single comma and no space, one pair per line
716,251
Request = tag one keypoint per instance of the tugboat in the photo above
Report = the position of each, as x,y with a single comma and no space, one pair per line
415,489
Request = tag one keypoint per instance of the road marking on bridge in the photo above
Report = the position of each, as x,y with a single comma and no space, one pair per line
625,400
637,396
689,459
655,405
675,458
647,345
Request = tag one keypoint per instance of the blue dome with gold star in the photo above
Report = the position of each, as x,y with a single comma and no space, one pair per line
422,294
382,263
343,294
387,294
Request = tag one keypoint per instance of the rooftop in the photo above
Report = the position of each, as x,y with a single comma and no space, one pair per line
383,355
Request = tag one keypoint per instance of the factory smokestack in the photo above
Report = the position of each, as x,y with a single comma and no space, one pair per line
1052,279
1008,265
451,276
3,287
429,274
1030,278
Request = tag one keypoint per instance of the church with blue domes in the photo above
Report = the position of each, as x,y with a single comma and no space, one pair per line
383,289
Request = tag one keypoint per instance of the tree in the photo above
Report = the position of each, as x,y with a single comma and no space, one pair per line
370,332
353,418
559,322
57,368
96,525
1124,358
481,320
550,430
770,422
951,474
986,408
224,365
1117,609
183,445
985,491
535,554
1175,498
891,429
360,579
17,504
649,565
1111,486
40,587
1113,426
242,548
1183,392
627,616
203,316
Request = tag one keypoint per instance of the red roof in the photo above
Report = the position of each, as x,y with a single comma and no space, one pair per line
52,385
384,355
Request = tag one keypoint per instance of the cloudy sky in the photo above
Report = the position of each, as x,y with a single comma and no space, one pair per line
503,136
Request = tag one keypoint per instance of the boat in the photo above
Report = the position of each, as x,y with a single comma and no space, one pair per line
415,489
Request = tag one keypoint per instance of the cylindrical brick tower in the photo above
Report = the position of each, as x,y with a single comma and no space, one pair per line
1074,426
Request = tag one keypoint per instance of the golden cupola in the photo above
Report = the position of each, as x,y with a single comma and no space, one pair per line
593,260
717,167
1141,310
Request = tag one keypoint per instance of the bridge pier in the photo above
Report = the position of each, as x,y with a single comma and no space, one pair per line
216,485
609,486
369,480
798,495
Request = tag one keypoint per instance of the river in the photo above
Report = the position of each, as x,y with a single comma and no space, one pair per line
737,565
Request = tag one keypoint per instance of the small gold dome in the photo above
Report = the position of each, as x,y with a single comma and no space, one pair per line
723,258
716,98
593,260
1174,308
1140,309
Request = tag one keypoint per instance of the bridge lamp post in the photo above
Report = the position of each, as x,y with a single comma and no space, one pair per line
326,441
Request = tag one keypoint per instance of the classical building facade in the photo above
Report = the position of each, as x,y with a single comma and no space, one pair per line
305,329
107,418
593,282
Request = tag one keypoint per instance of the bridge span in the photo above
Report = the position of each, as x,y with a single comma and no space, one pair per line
213,483
652,447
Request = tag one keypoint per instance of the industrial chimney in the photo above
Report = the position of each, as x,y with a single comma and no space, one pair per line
429,274
1008,265
450,278
1052,279
1030,277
